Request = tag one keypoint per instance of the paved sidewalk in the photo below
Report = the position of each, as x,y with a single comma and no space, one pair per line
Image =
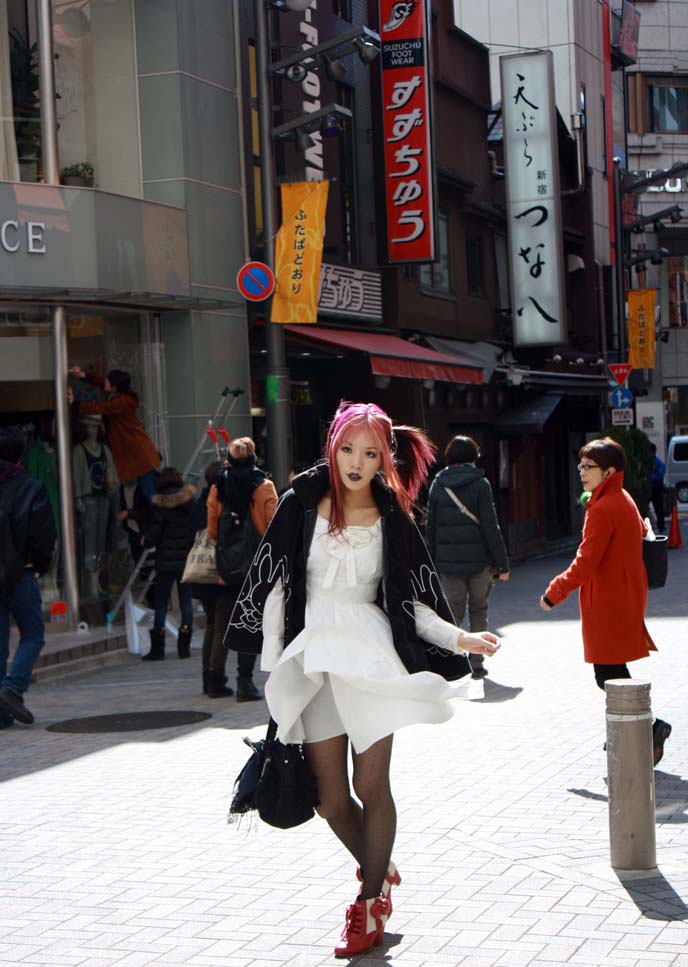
115,849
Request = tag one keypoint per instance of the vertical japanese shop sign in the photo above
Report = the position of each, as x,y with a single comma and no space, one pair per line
298,252
409,187
641,328
532,182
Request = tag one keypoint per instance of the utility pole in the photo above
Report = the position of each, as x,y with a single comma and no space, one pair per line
277,387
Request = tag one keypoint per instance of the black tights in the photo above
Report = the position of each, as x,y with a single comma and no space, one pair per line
604,672
367,831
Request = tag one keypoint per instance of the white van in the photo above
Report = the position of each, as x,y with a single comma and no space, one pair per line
677,467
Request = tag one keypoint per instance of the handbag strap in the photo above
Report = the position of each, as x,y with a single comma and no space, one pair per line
271,733
462,507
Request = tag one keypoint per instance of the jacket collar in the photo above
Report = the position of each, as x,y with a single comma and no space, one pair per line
178,498
312,485
612,485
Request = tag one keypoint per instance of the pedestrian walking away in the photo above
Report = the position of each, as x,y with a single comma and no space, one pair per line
608,570
134,453
170,529
27,544
348,613
656,480
243,489
464,537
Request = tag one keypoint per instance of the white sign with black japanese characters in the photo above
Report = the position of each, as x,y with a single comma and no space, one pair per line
531,160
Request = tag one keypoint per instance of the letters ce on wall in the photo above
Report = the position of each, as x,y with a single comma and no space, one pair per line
532,182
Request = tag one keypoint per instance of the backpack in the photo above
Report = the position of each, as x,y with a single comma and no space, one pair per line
11,562
237,543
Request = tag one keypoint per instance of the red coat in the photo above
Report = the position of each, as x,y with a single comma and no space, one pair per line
132,449
609,570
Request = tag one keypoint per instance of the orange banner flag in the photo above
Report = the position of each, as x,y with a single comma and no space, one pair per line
298,252
641,328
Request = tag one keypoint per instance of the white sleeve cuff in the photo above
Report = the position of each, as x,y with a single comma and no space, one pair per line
436,630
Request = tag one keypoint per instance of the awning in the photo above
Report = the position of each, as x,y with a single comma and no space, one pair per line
530,417
393,356
482,354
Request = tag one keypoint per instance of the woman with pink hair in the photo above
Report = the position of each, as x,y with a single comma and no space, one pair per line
348,613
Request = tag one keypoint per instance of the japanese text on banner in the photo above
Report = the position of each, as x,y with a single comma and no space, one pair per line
298,252
641,328
406,127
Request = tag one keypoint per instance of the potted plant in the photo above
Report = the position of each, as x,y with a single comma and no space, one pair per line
79,175
638,464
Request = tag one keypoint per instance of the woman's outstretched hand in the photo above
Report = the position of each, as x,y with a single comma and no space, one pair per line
483,644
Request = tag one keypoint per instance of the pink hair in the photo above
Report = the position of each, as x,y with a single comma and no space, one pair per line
406,453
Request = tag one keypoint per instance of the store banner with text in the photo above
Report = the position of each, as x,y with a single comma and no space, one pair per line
641,328
298,252
406,117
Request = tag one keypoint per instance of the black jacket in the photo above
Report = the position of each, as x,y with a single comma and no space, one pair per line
408,574
171,529
458,546
25,501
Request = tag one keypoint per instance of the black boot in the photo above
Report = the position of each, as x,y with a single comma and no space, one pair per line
157,650
216,685
247,691
184,641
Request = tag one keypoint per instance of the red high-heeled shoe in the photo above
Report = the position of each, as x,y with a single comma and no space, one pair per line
392,878
364,926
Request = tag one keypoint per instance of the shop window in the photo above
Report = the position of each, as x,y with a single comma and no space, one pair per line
475,264
668,104
96,82
435,276
342,9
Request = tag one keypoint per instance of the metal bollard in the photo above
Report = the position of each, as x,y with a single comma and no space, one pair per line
630,775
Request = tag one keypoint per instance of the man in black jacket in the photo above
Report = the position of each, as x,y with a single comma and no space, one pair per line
464,537
27,539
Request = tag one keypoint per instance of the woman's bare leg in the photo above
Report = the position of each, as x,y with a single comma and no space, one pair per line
328,761
371,785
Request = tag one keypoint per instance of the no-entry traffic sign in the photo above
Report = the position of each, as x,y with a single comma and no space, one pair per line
255,281
620,372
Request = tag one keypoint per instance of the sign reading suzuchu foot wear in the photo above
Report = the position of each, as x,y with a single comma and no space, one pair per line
531,160
409,180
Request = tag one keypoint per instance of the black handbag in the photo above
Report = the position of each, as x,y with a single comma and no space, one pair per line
656,560
276,782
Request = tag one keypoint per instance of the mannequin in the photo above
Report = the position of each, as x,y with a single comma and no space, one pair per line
94,484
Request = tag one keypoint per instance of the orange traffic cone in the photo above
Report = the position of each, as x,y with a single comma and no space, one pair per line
675,530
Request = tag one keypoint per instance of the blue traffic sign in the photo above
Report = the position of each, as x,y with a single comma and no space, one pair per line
622,398
256,281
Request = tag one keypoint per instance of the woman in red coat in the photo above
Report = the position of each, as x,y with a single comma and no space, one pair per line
609,571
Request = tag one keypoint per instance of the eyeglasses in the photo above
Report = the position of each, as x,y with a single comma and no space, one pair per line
588,467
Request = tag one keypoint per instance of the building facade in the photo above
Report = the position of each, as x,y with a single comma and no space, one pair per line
658,140
136,249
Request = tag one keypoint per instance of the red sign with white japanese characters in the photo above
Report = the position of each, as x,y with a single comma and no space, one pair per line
620,372
407,132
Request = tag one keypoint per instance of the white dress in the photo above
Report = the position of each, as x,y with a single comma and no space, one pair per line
342,674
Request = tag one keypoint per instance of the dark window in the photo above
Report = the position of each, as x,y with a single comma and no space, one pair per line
475,264
668,104
603,104
342,8
436,275
681,451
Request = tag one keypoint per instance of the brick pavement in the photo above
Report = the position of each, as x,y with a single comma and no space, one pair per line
115,851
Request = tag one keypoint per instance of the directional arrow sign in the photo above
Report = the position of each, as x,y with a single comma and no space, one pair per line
621,398
620,372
